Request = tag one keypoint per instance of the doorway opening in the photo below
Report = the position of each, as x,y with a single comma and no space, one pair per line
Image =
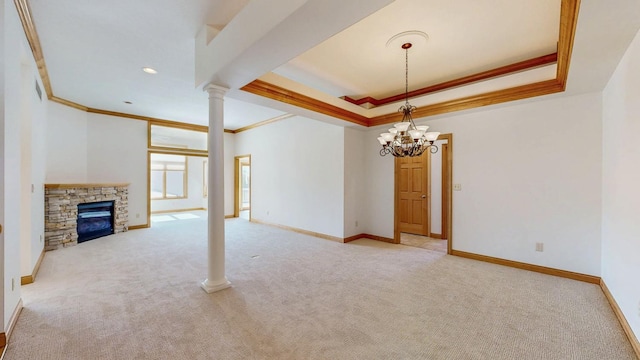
242,187
423,208
177,186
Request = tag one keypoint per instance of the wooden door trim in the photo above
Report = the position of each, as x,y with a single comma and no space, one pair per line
427,184
449,206
445,194
396,201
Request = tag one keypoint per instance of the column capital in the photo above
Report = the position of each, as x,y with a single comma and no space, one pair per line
216,90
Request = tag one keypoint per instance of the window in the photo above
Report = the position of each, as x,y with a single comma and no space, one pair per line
170,138
168,176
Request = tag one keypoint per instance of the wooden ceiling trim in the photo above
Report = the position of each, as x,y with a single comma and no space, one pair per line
24,12
151,120
568,21
481,76
262,123
281,94
471,102
68,103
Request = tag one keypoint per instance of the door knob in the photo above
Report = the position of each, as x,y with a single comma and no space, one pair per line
424,196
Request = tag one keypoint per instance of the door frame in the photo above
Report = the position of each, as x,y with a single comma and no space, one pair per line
446,166
236,184
447,195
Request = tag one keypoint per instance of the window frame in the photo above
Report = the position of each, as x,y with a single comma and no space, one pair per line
185,178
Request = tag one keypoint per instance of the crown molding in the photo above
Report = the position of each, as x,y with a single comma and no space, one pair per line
475,101
68,103
151,120
568,21
466,80
262,123
278,93
24,12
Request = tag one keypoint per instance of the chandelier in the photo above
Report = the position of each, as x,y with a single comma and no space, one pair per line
405,138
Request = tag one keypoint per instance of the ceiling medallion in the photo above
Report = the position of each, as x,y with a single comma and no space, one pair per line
414,37
405,138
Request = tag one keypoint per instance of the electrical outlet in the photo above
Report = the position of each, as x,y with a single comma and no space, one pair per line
138,216
457,187
540,247
356,223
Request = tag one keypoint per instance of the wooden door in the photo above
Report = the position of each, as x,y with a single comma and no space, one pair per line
413,194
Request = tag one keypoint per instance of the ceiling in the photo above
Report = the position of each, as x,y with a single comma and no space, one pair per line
95,51
357,61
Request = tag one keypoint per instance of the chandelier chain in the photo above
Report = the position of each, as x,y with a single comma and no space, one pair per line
406,75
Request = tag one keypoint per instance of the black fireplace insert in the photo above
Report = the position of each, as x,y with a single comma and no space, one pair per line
95,220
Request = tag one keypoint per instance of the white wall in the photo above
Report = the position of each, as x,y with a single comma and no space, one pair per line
94,148
297,174
33,154
12,44
117,152
66,144
529,172
379,174
39,115
620,192
195,189
25,166
4,68
354,180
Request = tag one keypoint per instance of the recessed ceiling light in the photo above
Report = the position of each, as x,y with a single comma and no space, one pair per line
149,70
128,102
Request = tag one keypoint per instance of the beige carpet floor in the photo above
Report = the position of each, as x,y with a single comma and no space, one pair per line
136,295
424,242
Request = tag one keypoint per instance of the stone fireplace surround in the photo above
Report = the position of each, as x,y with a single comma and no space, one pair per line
61,209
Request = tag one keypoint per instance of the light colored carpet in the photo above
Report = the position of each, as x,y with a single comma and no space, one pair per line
424,242
136,295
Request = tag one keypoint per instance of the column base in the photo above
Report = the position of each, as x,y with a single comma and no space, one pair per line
209,288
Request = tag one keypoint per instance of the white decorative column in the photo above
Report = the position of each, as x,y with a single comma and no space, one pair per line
216,279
